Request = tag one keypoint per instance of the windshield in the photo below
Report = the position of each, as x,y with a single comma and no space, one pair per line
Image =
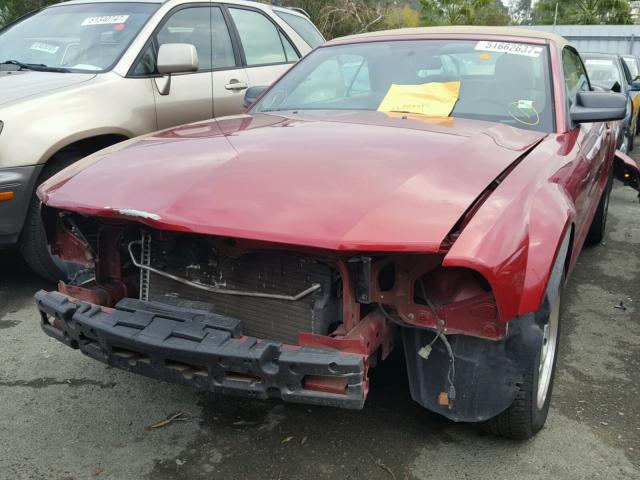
603,71
82,37
494,81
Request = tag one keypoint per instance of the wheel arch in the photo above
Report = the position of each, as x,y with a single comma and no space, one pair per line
85,144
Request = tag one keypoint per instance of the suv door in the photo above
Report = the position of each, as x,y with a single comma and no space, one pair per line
229,78
266,50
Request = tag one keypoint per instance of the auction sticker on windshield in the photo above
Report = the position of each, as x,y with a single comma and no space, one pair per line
45,47
510,48
105,20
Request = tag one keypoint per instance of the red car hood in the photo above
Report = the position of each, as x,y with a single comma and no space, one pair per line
352,180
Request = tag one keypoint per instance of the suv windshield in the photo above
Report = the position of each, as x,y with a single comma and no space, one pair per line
80,37
486,80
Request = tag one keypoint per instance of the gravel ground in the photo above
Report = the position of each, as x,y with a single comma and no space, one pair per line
65,416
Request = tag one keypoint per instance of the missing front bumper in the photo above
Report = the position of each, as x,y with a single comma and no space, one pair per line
191,346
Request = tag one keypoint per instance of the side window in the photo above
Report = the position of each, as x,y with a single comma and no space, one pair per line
289,51
626,72
303,27
223,56
190,25
210,36
147,63
262,42
575,76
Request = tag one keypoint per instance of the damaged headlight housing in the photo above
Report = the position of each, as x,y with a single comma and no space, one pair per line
420,292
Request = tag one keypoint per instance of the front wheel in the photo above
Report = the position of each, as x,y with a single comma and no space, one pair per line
528,413
33,240
599,223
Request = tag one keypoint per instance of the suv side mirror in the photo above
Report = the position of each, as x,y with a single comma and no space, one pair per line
252,94
635,86
598,107
175,58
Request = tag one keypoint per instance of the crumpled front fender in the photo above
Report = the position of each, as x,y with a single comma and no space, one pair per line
487,373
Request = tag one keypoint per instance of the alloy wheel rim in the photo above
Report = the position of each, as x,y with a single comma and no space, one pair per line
548,353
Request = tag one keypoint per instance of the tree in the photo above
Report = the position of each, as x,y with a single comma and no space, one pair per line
520,12
402,17
336,18
346,17
585,12
495,13
464,12
11,10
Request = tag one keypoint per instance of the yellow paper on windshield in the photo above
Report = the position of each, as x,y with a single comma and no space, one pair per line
433,99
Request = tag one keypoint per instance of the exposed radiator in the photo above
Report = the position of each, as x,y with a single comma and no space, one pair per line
263,272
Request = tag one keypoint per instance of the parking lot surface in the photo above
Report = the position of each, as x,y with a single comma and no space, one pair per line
65,416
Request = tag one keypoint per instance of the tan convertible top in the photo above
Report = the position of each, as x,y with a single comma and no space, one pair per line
466,30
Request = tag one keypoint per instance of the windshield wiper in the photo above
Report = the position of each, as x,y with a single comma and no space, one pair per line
38,67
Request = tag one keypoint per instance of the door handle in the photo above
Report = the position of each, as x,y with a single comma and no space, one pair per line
236,85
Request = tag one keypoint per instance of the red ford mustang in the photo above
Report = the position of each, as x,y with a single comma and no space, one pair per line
429,189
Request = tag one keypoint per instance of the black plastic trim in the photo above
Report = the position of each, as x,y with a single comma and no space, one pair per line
187,344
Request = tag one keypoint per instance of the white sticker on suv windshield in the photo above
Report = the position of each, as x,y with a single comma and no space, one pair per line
106,20
511,48
44,47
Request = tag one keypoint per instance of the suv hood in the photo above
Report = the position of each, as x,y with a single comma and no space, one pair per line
17,85
340,181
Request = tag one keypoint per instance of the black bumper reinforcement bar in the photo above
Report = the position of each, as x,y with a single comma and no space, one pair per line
185,344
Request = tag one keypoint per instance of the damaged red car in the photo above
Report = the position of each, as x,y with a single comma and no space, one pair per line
423,189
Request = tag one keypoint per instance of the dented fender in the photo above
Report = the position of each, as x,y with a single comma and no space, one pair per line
515,238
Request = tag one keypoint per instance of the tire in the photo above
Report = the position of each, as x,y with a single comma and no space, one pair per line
33,240
528,413
599,223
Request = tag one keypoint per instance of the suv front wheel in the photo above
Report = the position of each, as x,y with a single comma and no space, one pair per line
33,240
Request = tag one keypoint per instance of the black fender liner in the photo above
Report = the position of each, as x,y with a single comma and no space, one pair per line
487,373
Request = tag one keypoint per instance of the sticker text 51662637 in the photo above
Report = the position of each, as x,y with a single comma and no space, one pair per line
105,20
510,48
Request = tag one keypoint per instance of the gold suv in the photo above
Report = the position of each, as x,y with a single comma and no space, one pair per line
82,75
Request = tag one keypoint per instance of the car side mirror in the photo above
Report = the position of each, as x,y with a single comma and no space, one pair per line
635,86
175,58
252,94
598,107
